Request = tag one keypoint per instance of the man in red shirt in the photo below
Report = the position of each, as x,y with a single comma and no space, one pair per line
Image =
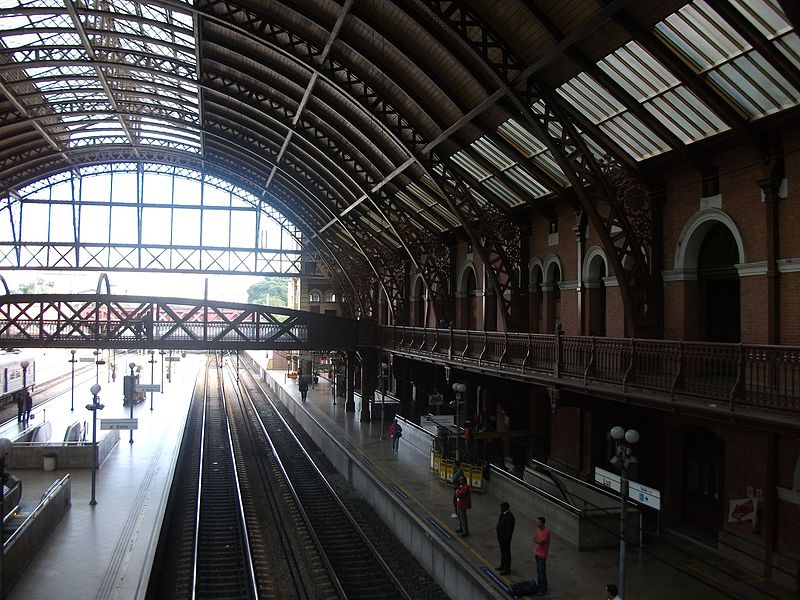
541,547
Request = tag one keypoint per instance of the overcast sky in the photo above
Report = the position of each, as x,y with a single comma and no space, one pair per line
230,288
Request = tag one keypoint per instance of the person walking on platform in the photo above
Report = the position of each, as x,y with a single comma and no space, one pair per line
542,546
303,389
505,529
395,432
457,474
612,592
463,504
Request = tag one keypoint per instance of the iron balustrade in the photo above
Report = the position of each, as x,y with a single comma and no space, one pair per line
106,320
737,376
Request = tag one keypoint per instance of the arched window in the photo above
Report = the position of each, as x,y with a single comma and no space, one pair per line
314,296
330,296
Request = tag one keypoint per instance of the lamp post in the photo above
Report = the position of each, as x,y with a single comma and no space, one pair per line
94,407
152,362
162,353
622,459
334,374
459,389
5,447
72,396
384,371
131,392
98,360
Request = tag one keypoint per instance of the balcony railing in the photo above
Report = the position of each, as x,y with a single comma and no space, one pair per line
737,375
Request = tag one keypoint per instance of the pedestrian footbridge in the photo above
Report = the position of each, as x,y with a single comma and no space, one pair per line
119,321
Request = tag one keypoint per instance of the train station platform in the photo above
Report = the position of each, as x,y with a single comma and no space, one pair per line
572,574
104,552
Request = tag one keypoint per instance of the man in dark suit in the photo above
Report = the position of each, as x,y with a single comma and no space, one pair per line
505,530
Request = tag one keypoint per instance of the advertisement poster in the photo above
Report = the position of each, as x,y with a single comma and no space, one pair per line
743,509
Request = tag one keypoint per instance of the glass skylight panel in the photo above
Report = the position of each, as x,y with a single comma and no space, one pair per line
502,192
718,52
765,15
527,182
152,47
422,194
600,107
489,150
591,99
470,165
660,92
521,138
409,201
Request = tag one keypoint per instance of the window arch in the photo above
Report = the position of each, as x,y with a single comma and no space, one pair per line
314,296
330,296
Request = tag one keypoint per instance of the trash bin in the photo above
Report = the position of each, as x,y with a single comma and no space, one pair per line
49,462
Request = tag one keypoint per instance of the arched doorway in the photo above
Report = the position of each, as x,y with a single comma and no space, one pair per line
536,300
470,288
595,295
552,294
718,282
702,486
419,303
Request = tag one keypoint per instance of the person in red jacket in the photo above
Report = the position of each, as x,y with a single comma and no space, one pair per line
395,432
463,504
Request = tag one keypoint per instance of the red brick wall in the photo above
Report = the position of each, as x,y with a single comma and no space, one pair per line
753,293
789,318
615,314
569,312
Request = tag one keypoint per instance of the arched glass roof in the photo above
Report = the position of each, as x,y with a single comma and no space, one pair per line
377,128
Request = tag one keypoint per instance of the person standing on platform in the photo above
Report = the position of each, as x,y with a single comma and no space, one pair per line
505,529
457,474
542,547
612,592
395,432
28,406
463,504
303,389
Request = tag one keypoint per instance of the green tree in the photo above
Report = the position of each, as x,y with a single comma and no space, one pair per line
273,291
37,286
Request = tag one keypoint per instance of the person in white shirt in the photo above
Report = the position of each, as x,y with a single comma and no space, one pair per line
612,592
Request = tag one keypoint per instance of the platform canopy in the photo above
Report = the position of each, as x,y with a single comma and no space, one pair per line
381,128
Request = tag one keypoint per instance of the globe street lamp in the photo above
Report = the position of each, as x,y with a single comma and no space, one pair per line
25,364
459,389
94,407
622,459
72,397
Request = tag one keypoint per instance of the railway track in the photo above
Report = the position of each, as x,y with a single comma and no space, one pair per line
357,567
250,516
204,550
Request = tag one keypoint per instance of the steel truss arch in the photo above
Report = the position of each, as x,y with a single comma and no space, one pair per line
627,226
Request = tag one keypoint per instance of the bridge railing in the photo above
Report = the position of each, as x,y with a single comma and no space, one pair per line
736,375
110,320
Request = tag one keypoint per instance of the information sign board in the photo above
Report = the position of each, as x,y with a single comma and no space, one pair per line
111,424
636,491
148,387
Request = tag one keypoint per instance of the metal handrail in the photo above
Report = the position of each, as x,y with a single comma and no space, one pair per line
736,376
